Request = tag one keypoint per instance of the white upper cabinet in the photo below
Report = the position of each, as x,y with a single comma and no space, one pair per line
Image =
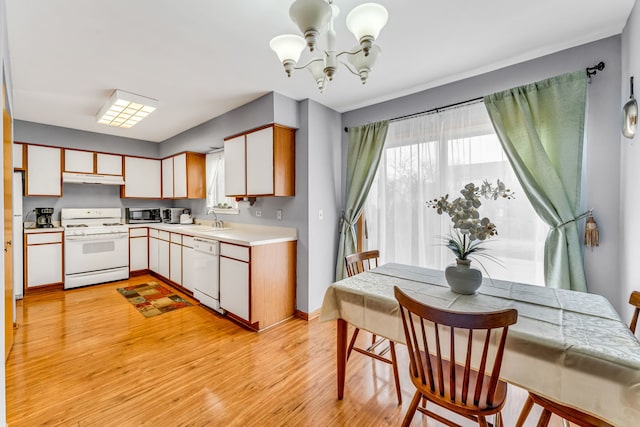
142,178
18,156
184,176
260,163
180,176
78,161
109,164
44,175
235,180
167,178
89,162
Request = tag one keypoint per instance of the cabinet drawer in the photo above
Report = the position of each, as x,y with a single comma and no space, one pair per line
187,241
234,251
163,235
176,238
153,233
41,238
138,232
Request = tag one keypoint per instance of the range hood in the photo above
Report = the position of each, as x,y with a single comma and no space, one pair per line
89,178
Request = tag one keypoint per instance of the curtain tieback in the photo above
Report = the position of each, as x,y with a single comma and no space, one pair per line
591,232
579,217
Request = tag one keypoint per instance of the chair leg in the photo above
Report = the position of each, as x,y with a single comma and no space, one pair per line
524,413
544,418
352,342
499,421
394,365
412,409
482,422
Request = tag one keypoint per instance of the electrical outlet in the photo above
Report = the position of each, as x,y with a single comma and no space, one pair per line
258,213
279,214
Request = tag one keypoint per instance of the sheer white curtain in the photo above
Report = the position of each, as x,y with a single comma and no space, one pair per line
215,181
436,154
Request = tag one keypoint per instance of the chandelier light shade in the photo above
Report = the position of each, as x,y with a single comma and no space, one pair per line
311,17
365,22
125,109
314,16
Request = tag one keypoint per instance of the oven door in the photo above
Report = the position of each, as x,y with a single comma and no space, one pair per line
96,252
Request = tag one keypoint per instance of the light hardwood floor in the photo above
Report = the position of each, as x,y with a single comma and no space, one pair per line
85,357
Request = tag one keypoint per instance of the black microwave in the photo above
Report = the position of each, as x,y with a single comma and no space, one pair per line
142,215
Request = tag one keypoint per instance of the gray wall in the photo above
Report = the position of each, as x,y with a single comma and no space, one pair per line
630,169
324,194
37,133
602,147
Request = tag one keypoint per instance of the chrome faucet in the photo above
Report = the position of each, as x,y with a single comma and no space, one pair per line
218,223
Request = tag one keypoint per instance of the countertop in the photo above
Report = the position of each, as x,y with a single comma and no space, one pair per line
42,230
241,234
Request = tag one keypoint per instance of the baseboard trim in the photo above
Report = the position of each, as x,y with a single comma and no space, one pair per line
307,316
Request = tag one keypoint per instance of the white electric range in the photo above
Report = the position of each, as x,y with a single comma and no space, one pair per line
96,246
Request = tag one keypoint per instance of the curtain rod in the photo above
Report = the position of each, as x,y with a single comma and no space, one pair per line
591,71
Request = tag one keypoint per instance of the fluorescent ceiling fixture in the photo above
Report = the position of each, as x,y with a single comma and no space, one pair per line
125,109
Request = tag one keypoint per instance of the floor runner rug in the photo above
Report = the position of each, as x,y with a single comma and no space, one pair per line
151,299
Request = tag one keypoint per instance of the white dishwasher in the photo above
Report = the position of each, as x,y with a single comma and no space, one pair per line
206,272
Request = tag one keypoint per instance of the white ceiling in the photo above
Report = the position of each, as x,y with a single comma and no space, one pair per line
202,58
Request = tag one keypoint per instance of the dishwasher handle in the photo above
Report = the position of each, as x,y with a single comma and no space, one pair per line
211,247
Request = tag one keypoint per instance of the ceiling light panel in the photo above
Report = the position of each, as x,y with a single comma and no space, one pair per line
125,109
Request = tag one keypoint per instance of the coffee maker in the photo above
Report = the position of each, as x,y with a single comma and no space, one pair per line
43,217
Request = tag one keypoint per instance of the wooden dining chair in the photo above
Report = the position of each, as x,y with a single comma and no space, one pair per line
355,264
455,360
634,300
565,412
574,416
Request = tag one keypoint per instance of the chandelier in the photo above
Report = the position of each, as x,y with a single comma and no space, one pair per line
314,16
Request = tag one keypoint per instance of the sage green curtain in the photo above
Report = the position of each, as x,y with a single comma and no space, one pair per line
363,156
541,128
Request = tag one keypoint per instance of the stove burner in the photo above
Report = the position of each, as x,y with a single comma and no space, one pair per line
76,225
111,224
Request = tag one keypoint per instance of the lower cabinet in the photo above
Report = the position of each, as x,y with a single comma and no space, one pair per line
234,286
153,250
175,258
43,259
188,280
163,254
138,249
258,283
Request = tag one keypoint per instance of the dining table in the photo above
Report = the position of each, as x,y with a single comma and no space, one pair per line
568,346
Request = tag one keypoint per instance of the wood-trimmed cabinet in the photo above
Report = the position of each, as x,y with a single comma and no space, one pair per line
19,156
43,171
81,161
258,283
260,163
43,259
138,249
142,178
184,176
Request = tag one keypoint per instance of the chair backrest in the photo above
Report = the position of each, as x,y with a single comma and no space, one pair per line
438,373
361,261
634,300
